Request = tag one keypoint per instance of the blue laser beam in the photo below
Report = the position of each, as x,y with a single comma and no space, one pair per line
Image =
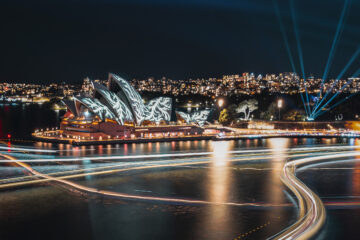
334,45
335,105
352,59
333,97
300,55
284,36
356,74
287,46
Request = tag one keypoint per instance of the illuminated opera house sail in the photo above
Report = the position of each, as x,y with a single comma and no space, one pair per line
119,110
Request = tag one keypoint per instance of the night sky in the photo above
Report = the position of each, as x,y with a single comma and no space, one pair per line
55,41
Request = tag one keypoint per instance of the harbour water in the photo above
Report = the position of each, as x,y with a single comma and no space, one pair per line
248,177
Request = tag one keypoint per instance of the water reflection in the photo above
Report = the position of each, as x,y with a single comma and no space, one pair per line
158,147
278,147
219,181
273,184
218,218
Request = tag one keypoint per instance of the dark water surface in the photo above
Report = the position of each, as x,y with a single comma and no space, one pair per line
52,211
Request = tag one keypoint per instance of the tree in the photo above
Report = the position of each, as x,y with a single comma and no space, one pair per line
294,115
224,117
271,112
233,115
242,108
252,106
247,107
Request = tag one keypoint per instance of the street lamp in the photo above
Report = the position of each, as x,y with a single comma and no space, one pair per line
220,102
279,104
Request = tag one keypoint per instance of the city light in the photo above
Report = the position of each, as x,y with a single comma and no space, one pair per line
279,105
220,102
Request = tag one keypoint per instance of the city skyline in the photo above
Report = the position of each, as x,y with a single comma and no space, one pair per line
228,85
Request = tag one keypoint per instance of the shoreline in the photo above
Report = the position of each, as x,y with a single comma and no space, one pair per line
189,138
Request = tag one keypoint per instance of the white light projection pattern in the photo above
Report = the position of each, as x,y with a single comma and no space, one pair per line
158,109
185,116
120,109
96,107
198,117
126,105
134,98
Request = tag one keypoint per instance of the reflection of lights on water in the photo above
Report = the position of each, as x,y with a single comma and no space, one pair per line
100,149
218,188
157,147
75,151
278,147
247,143
125,149
220,152
326,141
83,150
133,147
273,183
203,143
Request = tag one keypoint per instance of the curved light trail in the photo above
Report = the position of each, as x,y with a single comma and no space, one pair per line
124,195
149,156
311,211
127,167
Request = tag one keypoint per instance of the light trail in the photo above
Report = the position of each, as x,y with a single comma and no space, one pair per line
159,164
125,195
149,156
83,188
28,149
168,163
124,164
311,209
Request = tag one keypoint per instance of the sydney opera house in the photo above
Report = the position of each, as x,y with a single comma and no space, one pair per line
118,111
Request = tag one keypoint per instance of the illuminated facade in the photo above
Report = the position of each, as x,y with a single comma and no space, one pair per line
113,102
117,111
119,102
88,108
198,117
129,96
158,109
